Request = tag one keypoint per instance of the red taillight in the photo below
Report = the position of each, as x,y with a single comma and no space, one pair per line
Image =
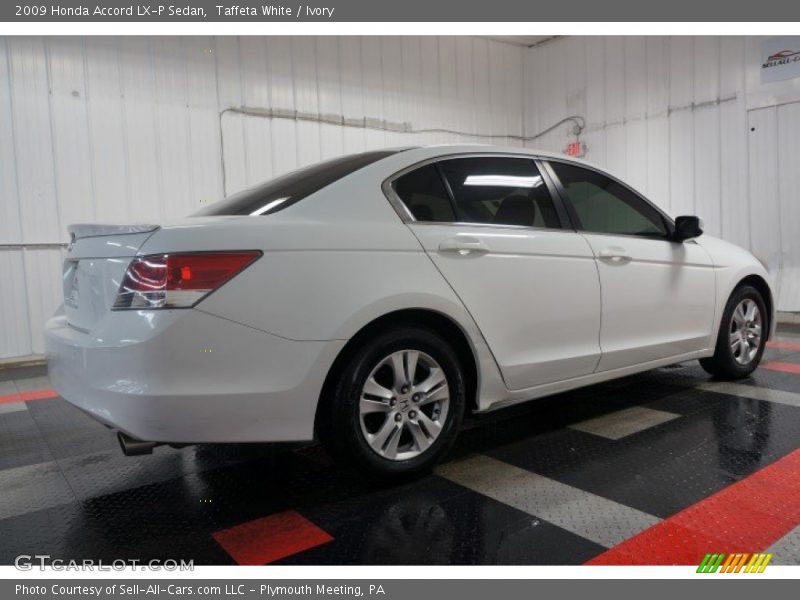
178,280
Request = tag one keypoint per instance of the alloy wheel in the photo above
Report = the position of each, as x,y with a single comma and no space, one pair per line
404,404
744,336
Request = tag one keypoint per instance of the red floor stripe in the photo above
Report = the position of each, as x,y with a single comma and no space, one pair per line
29,395
37,395
747,516
271,538
782,345
784,367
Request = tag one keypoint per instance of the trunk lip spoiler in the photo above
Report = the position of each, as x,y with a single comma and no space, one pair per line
88,230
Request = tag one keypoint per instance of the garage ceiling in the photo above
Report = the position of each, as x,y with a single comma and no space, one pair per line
522,40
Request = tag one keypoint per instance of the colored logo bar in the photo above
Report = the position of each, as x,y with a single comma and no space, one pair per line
734,563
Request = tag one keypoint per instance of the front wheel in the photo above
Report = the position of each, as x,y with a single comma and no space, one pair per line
398,404
742,336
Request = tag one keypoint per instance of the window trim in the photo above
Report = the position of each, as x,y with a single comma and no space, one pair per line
565,222
573,215
448,190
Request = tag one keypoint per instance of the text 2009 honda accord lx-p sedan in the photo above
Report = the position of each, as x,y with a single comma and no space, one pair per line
370,300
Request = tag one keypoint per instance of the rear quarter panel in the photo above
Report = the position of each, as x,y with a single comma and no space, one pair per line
332,262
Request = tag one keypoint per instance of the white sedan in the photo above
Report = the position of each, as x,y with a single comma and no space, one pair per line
370,300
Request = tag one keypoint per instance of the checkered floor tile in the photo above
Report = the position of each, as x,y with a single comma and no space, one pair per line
580,477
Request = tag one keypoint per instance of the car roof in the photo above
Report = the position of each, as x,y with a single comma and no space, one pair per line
420,153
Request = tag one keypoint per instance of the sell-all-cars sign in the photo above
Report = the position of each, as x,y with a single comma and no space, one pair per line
780,59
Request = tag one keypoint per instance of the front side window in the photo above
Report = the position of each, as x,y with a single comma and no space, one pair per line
283,191
604,206
500,191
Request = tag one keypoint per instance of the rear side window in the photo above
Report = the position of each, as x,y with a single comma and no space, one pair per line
500,191
424,194
285,190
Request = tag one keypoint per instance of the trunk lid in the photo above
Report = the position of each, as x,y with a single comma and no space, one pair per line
97,258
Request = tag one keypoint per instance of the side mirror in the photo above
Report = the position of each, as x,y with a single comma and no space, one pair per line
686,228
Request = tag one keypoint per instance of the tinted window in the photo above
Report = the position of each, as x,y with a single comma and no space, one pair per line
424,194
502,191
285,190
605,206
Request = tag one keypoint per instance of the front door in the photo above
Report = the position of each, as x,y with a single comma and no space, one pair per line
657,295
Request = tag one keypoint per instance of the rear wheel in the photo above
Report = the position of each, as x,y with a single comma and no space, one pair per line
742,336
397,405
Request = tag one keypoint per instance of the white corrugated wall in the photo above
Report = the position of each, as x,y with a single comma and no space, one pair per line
687,121
129,129
134,129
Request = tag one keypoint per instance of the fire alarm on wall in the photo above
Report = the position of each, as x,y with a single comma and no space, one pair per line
575,149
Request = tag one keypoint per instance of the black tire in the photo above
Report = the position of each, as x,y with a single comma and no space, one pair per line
724,364
341,429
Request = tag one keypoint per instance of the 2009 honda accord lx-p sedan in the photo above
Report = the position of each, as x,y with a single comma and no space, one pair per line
370,300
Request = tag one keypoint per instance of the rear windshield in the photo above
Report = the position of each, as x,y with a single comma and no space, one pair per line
285,190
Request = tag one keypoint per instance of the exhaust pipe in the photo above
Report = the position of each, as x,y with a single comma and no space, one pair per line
133,447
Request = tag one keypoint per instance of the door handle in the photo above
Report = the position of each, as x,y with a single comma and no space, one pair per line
615,254
464,246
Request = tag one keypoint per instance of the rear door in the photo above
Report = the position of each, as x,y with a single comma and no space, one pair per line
492,228
657,295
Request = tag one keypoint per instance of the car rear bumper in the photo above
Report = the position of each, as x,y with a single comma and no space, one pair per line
185,376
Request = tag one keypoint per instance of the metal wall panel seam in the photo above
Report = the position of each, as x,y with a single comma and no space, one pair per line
293,80
53,159
339,81
316,89
9,166
10,78
89,127
25,253
719,143
124,127
219,130
187,117
669,128
28,347
156,105
781,273
693,144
